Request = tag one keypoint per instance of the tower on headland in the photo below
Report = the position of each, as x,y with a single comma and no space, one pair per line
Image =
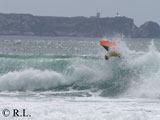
98,15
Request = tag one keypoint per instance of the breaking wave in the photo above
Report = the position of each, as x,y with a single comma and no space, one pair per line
136,73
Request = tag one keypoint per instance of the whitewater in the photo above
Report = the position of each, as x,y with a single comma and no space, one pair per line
67,78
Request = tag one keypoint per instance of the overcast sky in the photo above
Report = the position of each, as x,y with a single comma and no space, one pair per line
140,10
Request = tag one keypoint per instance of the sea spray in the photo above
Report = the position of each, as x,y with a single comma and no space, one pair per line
147,84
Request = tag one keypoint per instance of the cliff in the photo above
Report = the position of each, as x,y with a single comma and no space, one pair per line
26,24
149,30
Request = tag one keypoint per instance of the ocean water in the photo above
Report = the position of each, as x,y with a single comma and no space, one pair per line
67,78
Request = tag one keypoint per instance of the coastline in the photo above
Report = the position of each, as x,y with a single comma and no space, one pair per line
93,27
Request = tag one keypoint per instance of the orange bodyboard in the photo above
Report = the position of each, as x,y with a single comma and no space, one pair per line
108,43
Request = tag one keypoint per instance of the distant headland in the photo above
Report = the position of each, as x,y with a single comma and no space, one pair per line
95,26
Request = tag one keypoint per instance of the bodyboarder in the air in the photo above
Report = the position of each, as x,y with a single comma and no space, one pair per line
110,48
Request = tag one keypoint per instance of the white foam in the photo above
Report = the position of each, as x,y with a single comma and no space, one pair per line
84,108
30,79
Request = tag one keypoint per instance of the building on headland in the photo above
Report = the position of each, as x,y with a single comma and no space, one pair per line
98,15
117,14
